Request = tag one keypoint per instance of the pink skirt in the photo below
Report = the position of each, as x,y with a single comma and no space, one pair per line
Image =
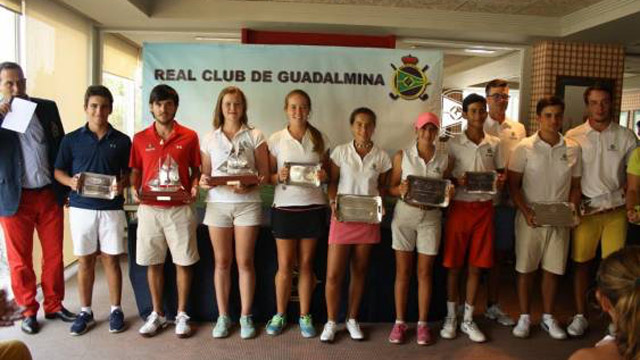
345,233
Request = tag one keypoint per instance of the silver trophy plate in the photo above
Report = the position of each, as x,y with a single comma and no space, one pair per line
303,174
359,208
97,186
601,203
562,214
482,182
424,191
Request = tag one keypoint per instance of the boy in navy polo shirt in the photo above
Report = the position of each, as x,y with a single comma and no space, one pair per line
97,225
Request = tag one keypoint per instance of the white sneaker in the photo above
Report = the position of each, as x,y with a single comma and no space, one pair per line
551,326
153,324
354,329
578,326
470,328
183,330
495,313
521,330
329,331
449,327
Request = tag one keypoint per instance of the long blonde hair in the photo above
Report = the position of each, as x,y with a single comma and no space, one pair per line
316,135
218,117
619,281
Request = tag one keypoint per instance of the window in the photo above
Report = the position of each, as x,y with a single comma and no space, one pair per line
9,35
624,119
123,91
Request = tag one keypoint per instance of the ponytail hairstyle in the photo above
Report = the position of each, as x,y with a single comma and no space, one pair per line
619,281
218,116
316,135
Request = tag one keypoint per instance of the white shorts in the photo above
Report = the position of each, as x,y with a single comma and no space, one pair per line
226,215
413,228
97,230
541,246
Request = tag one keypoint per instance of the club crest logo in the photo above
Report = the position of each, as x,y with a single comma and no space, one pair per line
409,82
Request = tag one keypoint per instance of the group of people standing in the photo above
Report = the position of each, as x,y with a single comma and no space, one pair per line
479,230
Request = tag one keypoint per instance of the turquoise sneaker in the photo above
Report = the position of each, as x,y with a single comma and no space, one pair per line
306,326
247,330
221,330
276,324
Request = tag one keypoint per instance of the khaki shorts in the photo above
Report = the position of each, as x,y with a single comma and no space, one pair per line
545,246
162,228
609,230
413,228
226,215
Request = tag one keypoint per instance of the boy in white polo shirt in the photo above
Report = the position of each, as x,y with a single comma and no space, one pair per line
542,168
470,218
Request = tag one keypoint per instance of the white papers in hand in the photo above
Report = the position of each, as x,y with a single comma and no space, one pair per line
20,116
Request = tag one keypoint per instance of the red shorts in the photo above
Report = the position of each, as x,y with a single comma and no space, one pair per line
469,226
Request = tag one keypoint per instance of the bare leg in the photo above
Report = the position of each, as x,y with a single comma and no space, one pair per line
307,278
581,284
245,250
359,266
404,269
453,290
493,286
184,274
472,284
86,276
549,290
155,277
287,250
525,282
425,270
222,242
111,264
337,258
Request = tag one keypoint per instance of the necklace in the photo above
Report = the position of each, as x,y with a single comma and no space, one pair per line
366,145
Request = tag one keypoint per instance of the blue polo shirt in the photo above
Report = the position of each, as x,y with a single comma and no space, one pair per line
81,151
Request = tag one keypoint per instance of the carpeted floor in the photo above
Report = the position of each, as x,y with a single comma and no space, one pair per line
54,341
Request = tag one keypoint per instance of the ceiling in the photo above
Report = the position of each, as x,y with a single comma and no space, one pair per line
550,8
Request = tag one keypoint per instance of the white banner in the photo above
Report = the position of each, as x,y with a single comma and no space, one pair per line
396,84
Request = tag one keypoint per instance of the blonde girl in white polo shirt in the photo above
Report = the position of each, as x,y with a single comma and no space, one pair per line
416,228
357,168
299,214
233,211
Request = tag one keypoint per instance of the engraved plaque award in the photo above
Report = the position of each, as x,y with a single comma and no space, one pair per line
97,186
359,208
235,170
165,186
602,203
562,214
303,174
424,191
482,182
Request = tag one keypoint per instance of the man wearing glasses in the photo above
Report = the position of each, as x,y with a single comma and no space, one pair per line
510,133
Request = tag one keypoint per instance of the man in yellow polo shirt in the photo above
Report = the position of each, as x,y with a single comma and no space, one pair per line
606,147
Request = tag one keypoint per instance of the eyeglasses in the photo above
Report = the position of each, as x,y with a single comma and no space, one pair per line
499,96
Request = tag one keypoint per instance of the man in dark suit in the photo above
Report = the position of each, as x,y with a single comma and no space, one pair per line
32,199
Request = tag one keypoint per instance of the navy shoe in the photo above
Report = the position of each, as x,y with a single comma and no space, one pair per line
82,324
116,321
30,325
62,314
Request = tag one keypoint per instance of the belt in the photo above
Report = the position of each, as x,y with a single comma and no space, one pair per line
607,211
421,207
41,188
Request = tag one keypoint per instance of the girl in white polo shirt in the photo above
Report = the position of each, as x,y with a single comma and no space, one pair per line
416,228
298,216
357,168
233,211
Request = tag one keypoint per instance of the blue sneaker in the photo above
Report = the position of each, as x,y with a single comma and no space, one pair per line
276,324
82,323
306,326
116,321
247,329
221,329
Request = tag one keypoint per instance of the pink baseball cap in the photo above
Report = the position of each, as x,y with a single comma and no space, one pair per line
427,118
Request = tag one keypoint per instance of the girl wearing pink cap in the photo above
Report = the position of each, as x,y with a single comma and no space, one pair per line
416,228
357,168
